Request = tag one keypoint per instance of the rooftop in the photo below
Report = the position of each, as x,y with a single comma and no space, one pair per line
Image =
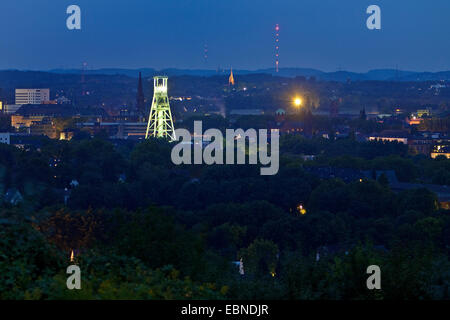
58,110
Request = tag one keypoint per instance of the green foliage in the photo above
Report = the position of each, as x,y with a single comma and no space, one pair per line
143,228
156,240
25,259
260,258
114,277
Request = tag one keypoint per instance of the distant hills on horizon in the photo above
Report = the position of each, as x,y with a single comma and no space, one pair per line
377,74
340,76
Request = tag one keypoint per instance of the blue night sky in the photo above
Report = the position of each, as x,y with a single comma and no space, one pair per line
323,34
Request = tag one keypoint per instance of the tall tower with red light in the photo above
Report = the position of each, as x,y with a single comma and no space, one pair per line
83,78
205,53
277,46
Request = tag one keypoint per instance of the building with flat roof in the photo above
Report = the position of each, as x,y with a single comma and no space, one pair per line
39,119
246,112
32,96
5,137
440,149
390,136
11,108
119,130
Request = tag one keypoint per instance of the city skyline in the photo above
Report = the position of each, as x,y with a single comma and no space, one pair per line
224,155
328,36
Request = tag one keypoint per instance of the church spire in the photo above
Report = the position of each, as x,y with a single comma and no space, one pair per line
231,78
140,99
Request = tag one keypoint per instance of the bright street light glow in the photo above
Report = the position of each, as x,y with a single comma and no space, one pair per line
298,102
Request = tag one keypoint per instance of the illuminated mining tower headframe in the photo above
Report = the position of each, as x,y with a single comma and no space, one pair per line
160,122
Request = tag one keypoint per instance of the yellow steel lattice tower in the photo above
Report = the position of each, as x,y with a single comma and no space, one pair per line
160,123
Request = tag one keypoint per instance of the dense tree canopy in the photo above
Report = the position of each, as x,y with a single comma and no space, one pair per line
143,228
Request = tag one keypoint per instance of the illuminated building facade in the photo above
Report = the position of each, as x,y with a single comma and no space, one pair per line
32,96
441,148
389,138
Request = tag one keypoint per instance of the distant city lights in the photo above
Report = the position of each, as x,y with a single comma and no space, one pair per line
301,209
